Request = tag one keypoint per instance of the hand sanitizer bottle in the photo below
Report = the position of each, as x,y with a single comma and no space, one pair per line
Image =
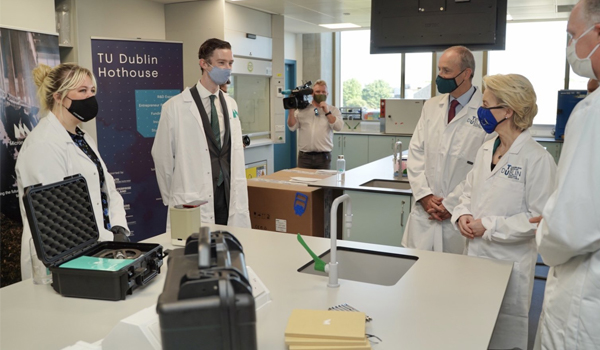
341,168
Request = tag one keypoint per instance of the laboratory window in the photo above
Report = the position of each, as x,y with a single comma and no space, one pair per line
366,78
417,75
532,50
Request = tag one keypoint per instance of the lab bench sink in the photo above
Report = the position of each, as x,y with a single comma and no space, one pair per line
401,184
366,266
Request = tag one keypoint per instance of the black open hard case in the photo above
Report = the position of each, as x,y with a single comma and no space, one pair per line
207,300
63,227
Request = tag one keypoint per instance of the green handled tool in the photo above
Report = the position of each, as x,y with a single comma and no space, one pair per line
319,264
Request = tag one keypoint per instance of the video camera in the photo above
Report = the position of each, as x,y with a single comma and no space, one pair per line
299,98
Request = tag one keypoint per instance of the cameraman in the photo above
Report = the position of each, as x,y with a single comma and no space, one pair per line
315,124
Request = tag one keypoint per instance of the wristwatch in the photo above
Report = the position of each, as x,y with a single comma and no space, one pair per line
328,113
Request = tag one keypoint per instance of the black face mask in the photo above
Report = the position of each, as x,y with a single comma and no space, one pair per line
84,110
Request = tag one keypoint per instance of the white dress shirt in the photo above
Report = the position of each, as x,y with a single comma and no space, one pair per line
205,97
316,133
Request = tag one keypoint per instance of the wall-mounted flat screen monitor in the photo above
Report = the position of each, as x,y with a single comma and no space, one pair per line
434,25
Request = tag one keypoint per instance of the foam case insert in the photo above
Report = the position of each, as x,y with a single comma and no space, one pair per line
63,227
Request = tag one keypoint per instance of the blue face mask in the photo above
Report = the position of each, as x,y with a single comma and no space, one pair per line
218,75
487,120
447,85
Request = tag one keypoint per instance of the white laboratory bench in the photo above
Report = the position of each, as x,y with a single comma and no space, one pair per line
381,169
444,301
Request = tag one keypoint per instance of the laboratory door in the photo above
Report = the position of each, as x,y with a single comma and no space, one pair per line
285,153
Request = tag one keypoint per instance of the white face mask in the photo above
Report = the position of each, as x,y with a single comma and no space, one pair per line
581,66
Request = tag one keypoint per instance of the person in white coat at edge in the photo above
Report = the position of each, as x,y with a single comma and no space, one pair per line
198,151
568,237
57,148
511,181
441,153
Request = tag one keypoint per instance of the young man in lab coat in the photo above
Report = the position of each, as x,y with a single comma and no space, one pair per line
198,151
441,153
568,237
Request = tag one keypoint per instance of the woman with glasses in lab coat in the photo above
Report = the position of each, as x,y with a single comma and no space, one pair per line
510,182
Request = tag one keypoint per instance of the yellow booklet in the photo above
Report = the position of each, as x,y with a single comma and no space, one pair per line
326,324
366,346
322,341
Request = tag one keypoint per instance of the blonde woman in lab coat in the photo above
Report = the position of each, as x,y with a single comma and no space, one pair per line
57,148
511,180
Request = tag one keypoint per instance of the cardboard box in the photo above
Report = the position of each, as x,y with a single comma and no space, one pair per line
276,204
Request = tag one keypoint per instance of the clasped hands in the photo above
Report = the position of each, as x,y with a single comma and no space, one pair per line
469,227
434,207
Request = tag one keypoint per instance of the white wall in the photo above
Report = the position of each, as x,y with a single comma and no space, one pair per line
245,20
278,125
131,19
293,51
193,23
299,58
290,46
240,21
19,14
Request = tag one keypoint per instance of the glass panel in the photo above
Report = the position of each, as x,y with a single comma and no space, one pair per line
367,78
417,76
252,96
540,58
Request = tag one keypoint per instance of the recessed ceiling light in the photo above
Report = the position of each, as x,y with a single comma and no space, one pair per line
339,25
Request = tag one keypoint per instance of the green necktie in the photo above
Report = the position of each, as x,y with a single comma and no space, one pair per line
214,125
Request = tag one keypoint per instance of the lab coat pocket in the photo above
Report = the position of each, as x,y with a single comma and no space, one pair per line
510,196
558,299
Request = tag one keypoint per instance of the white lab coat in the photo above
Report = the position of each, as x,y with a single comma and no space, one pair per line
505,199
182,160
49,155
439,157
568,238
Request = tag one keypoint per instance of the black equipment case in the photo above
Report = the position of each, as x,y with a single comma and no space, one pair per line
207,301
63,227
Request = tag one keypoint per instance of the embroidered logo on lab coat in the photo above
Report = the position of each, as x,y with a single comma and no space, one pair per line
235,113
512,172
473,121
